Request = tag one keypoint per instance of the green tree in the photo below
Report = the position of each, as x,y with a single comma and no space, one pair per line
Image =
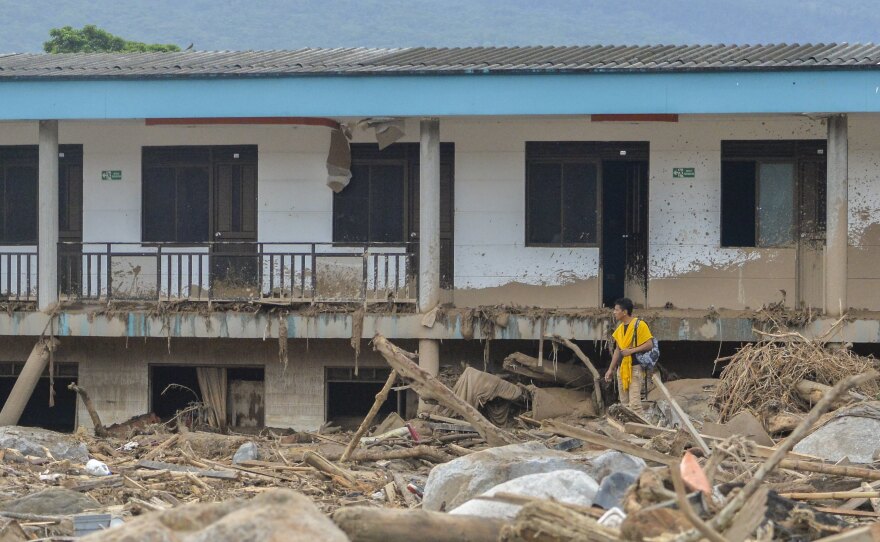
91,39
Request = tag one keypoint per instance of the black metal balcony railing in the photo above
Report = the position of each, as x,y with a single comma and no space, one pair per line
18,273
238,271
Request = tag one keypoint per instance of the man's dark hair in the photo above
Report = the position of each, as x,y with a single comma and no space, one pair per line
626,304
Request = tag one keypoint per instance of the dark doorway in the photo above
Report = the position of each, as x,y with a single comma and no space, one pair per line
37,412
70,210
624,230
350,396
173,388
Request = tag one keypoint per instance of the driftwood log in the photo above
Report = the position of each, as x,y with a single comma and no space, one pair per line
565,374
547,521
100,430
338,474
431,389
368,524
429,453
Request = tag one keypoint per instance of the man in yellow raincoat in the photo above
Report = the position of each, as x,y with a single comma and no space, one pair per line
631,376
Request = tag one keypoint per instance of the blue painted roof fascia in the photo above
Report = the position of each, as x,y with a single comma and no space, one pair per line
445,95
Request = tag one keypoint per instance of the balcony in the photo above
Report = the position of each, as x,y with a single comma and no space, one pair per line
233,271
18,274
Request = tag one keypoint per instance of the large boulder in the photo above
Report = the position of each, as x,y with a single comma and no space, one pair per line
851,437
452,484
43,443
613,461
281,515
565,486
54,501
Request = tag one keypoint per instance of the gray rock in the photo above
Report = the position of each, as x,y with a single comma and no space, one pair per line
452,484
613,488
613,461
854,437
246,452
42,442
281,514
565,486
51,502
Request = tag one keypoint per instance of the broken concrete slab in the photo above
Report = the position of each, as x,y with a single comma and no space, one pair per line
391,422
745,423
565,486
850,437
38,442
54,501
451,484
273,516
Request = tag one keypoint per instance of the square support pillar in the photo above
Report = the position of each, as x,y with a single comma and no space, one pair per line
429,235
47,243
837,229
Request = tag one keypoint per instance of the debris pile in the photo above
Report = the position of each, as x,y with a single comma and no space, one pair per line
708,464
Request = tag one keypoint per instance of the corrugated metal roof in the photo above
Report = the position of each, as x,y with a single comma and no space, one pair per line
420,60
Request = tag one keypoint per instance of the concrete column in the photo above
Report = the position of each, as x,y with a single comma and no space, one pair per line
26,382
837,220
429,235
47,245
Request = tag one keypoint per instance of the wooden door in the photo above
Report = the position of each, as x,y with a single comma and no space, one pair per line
811,234
234,255
636,269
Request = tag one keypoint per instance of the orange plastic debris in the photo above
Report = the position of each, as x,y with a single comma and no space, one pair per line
692,474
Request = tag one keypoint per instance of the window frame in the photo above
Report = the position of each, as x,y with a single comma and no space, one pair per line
795,198
181,156
371,157
563,159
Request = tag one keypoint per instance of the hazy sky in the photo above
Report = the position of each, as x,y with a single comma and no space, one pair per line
285,24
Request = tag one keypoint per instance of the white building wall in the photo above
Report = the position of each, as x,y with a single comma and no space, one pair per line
492,264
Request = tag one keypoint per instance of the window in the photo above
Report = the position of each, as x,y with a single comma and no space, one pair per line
759,190
371,209
561,196
178,184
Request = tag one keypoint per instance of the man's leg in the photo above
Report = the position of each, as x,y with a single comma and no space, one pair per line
635,389
622,395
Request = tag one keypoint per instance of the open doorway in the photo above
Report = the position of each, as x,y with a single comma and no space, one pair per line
237,394
349,397
37,412
625,230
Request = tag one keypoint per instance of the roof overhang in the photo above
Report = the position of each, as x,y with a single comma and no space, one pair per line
808,91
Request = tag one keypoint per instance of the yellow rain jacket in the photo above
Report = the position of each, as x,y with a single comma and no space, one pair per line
624,340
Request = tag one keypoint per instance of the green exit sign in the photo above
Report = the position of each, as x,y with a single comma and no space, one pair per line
111,175
682,172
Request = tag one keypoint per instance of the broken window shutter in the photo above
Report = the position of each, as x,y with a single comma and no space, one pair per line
338,161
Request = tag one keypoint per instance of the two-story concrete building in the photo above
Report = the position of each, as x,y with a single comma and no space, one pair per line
167,214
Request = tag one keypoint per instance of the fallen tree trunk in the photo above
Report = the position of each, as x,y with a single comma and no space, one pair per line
340,475
429,388
547,521
813,392
417,452
565,374
100,431
27,381
368,524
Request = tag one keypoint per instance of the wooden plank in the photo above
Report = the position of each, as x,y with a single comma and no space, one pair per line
161,465
869,533
596,439
651,431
